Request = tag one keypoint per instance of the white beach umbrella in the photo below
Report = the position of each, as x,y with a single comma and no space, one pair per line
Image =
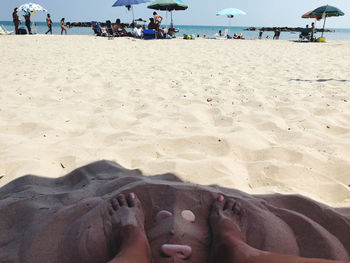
31,7
230,13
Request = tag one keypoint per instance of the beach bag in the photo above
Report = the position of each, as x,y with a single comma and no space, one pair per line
189,36
22,31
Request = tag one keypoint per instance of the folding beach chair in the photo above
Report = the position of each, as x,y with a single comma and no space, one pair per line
305,34
149,34
96,27
4,31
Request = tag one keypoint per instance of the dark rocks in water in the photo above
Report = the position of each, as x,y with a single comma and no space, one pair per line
285,29
88,24
51,220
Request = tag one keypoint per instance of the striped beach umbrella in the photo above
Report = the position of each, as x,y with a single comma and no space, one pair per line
168,6
326,11
31,7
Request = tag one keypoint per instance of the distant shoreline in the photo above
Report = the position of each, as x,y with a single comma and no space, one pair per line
331,29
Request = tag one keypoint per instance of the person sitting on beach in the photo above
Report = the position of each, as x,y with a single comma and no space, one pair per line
305,33
63,27
157,19
137,31
151,24
164,30
241,36
49,24
235,36
126,219
27,19
119,28
16,20
220,33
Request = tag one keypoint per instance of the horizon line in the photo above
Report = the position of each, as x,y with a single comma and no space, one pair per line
194,25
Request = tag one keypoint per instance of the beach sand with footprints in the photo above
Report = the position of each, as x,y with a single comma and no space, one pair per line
259,116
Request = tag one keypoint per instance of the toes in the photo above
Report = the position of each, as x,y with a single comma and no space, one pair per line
229,204
237,209
110,209
122,200
115,204
132,200
219,203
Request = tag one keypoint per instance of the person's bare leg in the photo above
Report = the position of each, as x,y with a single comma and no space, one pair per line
113,231
127,221
229,244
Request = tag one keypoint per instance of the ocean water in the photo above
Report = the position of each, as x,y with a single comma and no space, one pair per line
339,34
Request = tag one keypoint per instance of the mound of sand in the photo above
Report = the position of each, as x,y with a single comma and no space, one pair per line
38,215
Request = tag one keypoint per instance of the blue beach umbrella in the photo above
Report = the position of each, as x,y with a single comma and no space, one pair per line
129,4
230,13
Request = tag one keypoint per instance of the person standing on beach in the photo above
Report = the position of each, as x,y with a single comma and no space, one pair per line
261,33
277,32
27,18
63,26
157,20
312,32
16,20
49,24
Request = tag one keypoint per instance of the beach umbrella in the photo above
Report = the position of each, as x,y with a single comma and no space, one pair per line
308,15
326,11
129,4
168,5
230,13
31,7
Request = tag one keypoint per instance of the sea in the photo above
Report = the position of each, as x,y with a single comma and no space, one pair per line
209,31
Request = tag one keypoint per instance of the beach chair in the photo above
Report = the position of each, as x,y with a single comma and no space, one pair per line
305,34
149,34
4,31
225,33
96,27
223,36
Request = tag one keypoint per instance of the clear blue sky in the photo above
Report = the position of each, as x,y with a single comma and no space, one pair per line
200,12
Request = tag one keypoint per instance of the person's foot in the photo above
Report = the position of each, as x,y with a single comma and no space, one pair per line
125,223
125,219
228,242
225,219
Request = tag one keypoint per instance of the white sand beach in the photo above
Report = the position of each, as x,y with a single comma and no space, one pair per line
260,116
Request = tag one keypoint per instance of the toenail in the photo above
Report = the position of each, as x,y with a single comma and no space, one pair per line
221,198
132,196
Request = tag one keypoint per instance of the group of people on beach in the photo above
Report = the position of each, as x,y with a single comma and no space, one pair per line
27,16
308,33
155,23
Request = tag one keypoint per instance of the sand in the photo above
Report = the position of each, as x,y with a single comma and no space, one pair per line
259,116
64,220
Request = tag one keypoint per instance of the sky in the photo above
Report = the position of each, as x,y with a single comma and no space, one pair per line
200,12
